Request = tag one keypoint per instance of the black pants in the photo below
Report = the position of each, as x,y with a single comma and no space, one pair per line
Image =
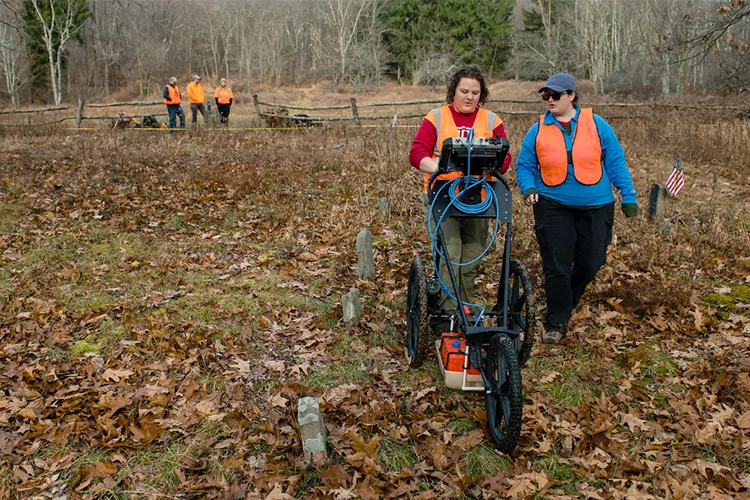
224,112
573,244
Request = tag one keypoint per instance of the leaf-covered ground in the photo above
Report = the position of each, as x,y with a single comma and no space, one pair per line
166,299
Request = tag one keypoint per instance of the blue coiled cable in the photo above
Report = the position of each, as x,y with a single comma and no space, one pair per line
456,189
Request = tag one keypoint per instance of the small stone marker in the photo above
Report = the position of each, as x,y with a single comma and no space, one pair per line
384,207
352,307
311,428
658,203
365,264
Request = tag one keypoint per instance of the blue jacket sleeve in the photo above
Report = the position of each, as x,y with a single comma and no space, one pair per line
614,161
165,93
526,165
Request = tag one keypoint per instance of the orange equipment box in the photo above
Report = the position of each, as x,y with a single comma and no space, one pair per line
453,353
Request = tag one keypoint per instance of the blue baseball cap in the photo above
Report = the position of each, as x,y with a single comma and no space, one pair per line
560,82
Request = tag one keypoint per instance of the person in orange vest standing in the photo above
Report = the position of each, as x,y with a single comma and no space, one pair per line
173,99
567,165
197,97
465,238
224,98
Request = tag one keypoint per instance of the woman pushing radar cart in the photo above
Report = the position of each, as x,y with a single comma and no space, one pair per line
474,356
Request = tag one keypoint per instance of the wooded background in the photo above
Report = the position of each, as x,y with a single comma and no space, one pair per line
55,50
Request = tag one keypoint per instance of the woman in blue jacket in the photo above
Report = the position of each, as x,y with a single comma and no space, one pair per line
568,163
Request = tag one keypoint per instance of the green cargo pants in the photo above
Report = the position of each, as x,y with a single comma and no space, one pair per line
465,238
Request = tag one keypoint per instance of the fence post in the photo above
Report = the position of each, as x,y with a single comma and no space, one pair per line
79,114
355,113
257,106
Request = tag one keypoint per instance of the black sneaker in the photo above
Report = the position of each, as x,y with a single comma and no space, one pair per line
553,334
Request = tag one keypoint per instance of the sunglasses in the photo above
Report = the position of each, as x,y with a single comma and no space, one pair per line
554,95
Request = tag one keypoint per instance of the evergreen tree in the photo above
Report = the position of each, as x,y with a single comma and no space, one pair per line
36,47
428,32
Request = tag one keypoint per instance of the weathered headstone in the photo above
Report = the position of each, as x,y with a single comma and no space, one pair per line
658,203
665,228
312,429
384,207
352,307
365,264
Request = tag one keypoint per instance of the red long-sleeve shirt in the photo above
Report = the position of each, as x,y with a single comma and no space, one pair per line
424,141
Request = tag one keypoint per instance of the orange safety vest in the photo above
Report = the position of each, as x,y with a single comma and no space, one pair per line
195,93
484,124
223,94
586,156
174,95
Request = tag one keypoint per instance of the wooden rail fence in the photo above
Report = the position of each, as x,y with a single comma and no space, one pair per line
283,116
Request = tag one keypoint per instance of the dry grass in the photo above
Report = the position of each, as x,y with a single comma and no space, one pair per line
189,243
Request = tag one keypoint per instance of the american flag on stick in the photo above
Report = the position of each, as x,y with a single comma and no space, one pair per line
676,179
394,120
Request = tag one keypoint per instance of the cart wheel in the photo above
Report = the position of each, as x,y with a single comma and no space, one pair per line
417,324
504,403
521,309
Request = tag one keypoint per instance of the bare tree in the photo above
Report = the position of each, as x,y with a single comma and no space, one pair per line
343,16
108,38
58,27
595,24
11,55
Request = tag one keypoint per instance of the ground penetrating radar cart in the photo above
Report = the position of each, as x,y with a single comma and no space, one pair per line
474,356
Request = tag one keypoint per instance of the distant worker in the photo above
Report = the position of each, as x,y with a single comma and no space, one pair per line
224,98
197,97
173,99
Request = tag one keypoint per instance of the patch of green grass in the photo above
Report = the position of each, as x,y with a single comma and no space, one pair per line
5,284
103,342
89,344
562,473
576,383
6,478
387,338
740,294
50,254
158,464
213,382
429,370
259,447
111,333
83,460
218,466
310,479
462,425
9,216
571,390
483,461
335,374
87,301
657,365
177,221
739,461
394,456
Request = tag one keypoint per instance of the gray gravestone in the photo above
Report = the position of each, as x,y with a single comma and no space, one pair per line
365,264
352,307
658,203
311,428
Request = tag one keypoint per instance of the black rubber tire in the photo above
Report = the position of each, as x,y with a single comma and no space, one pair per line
504,405
418,332
521,308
